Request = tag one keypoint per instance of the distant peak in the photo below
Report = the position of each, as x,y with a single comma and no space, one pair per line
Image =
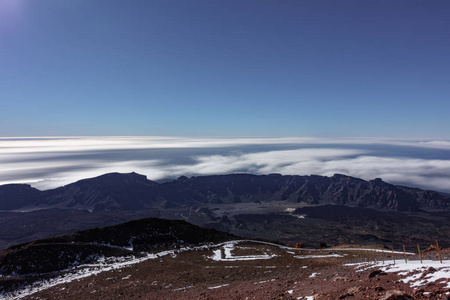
136,174
116,174
337,175
377,180
17,186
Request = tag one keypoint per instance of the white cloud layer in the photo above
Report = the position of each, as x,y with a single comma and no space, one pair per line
52,162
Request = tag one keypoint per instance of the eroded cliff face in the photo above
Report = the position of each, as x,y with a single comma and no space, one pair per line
135,192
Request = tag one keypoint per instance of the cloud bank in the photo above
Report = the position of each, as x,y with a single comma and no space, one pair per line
54,161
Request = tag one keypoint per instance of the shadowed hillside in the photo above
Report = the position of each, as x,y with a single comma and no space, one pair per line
135,192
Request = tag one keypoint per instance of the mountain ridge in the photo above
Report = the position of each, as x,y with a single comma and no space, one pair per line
130,238
132,191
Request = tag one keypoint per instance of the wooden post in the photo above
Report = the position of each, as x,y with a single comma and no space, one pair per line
420,254
439,251
393,254
404,252
360,256
382,255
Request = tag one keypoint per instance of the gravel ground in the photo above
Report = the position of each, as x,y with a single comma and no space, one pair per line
269,272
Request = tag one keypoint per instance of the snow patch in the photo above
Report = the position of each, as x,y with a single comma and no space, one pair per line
82,271
219,286
415,273
442,271
372,250
182,288
226,249
318,256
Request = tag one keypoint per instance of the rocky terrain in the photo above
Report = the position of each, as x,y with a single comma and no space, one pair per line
131,238
135,192
309,218
250,270
290,209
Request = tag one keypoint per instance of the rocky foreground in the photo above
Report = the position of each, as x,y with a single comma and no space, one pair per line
251,270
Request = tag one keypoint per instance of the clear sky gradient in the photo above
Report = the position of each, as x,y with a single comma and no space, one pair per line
225,68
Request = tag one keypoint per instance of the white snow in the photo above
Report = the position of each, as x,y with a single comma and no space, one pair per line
183,288
228,247
129,248
372,250
264,281
313,275
413,270
318,256
115,263
223,253
290,210
86,270
219,286
413,266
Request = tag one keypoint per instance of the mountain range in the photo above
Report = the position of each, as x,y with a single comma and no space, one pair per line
133,191
290,209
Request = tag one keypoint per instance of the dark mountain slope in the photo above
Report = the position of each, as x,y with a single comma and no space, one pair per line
14,196
21,227
135,192
430,199
234,188
66,251
337,224
338,189
107,192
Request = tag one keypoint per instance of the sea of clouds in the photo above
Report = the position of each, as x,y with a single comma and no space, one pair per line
49,162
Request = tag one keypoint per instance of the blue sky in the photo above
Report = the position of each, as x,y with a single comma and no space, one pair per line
225,68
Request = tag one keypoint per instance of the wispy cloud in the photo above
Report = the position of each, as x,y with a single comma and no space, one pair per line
51,162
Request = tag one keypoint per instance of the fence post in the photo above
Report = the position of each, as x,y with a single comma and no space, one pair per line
393,254
439,251
420,255
404,252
